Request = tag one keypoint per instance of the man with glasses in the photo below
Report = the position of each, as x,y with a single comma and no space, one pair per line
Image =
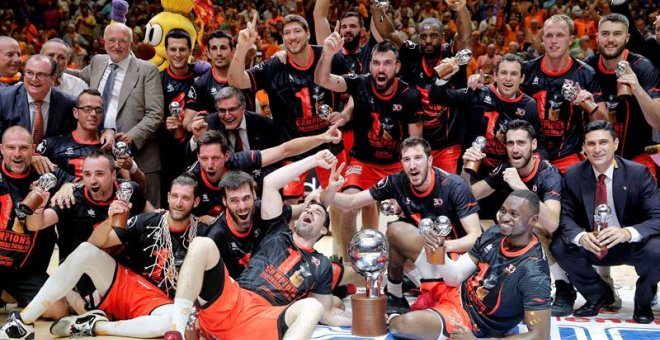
133,100
35,104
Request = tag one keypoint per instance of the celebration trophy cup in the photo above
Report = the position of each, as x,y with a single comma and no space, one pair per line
124,193
175,109
120,148
33,200
442,226
472,167
462,58
387,208
368,251
570,92
324,111
602,218
622,90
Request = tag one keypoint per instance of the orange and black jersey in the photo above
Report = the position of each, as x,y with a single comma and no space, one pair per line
629,123
381,122
448,195
294,98
490,112
281,271
444,126
19,247
544,181
199,96
147,250
353,62
561,123
235,247
209,193
67,152
505,285
175,87
77,223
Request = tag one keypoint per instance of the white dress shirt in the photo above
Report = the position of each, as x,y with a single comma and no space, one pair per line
110,121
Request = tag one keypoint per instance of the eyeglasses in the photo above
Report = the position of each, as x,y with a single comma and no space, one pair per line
90,109
229,110
37,75
114,41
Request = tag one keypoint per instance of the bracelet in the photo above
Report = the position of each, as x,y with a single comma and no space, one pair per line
134,168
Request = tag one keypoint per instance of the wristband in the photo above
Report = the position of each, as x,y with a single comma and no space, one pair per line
134,168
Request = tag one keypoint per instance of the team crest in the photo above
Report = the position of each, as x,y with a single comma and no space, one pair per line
41,147
170,88
488,100
192,93
535,81
381,184
69,151
534,188
91,213
213,90
510,269
205,198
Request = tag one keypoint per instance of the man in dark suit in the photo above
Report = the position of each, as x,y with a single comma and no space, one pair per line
631,235
35,104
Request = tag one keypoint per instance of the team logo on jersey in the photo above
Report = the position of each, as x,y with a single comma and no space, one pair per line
381,184
437,202
488,99
510,269
69,151
520,112
205,198
91,213
192,93
535,81
41,147
352,76
213,90
397,107
257,232
170,88
316,262
534,188
234,247
256,173
498,169
357,169
488,248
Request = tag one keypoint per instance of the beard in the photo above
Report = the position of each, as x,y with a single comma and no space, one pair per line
353,44
614,55
433,54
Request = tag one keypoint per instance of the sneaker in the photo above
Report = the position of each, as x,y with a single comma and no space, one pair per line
424,301
564,299
77,325
15,328
396,305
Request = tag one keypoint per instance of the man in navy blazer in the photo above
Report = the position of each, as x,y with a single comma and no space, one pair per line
631,236
17,102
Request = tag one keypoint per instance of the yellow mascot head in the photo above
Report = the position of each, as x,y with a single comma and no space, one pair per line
175,15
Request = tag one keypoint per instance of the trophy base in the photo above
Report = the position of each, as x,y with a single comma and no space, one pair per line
436,257
623,90
472,167
369,315
119,220
31,202
589,106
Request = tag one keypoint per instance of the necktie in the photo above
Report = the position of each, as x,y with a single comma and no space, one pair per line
238,143
109,84
601,193
38,133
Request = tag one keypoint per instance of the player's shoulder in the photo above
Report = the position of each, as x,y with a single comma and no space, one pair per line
583,68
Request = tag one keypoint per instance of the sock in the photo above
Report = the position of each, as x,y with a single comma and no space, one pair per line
558,273
395,288
415,276
182,310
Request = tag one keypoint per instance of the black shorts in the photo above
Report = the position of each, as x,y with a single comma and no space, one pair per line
22,285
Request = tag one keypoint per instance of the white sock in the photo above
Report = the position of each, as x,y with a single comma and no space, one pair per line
558,273
148,326
415,276
395,289
182,310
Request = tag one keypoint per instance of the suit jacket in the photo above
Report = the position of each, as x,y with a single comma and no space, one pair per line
636,199
261,130
15,110
140,106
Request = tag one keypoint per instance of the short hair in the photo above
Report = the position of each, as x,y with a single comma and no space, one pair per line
127,30
530,197
431,21
218,34
178,33
561,18
512,58
185,180
57,41
101,154
17,128
353,15
229,92
213,137
385,46
412,142
89,92
615,18
236,179
600,125
296,18
43,57
521,124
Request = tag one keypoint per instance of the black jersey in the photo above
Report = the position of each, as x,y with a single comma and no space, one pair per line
77,223
490,113
19,247
211,200
353,62
294,98
381,122
561,123
544,181
629,123
235,247
67,152
444,126
200,95
156,252
448,195
505,284
281,271
175,87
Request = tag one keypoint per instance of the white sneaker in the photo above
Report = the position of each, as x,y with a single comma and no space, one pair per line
77,325
15,328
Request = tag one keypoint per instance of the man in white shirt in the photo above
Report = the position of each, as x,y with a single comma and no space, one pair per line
59,50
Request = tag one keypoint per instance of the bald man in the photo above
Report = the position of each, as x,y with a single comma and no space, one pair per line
59,50
10,61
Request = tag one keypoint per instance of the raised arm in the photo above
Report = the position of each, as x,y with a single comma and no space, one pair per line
464,23
237,75
104,236
321,23
323,73
41,218
384,26
343,201
300,145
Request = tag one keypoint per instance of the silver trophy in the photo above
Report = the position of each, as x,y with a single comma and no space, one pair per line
175,109
33,200
442,226
462,58
602,217
120,148
369,252
472,167
382,4
425,225
387,208
124,193
570,91
324,111
622,90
